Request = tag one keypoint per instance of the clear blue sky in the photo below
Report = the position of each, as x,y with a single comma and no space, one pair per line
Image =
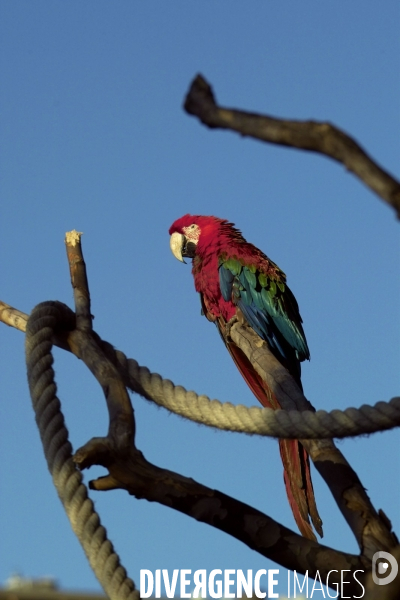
94,138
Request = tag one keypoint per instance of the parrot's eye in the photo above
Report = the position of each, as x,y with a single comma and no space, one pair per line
192,226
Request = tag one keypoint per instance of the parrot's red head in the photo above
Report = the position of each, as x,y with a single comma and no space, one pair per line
193,233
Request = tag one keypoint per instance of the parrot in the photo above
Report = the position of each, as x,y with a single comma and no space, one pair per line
238,282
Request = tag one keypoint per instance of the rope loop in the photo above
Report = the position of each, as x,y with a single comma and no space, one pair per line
43,322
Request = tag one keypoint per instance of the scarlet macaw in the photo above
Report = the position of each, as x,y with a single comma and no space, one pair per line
235,279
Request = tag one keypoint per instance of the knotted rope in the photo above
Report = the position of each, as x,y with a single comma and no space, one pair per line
58,451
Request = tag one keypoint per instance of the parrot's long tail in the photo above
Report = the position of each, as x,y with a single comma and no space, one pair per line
299,487
296,474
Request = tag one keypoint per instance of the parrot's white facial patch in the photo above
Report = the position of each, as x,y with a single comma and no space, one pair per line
192,233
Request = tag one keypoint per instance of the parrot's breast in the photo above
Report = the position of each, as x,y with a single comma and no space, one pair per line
206,278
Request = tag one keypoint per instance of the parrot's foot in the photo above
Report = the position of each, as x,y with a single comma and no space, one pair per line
228,327
237,318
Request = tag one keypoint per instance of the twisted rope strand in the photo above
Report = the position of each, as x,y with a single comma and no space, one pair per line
67,478
262,421
351,422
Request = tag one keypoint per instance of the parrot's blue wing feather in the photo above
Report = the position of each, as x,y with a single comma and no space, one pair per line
268,305
226,278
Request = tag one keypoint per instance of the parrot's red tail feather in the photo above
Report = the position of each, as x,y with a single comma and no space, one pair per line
299,489
295,459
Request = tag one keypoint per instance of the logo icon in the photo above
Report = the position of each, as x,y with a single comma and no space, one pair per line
384,563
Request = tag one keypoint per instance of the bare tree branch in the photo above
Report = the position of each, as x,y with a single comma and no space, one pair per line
323,138
255,529
369,527
79,282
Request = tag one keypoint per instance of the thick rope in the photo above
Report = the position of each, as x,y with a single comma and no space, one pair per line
58,451
262,421
339,424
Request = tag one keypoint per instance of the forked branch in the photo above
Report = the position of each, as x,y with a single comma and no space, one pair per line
323,138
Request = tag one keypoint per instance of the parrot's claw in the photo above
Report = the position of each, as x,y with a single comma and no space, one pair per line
229,325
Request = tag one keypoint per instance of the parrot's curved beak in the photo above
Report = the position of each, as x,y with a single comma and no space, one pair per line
176,243
180,246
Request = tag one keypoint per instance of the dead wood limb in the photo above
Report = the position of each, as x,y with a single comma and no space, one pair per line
13,317
79,281
371,529
248,525
323,138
